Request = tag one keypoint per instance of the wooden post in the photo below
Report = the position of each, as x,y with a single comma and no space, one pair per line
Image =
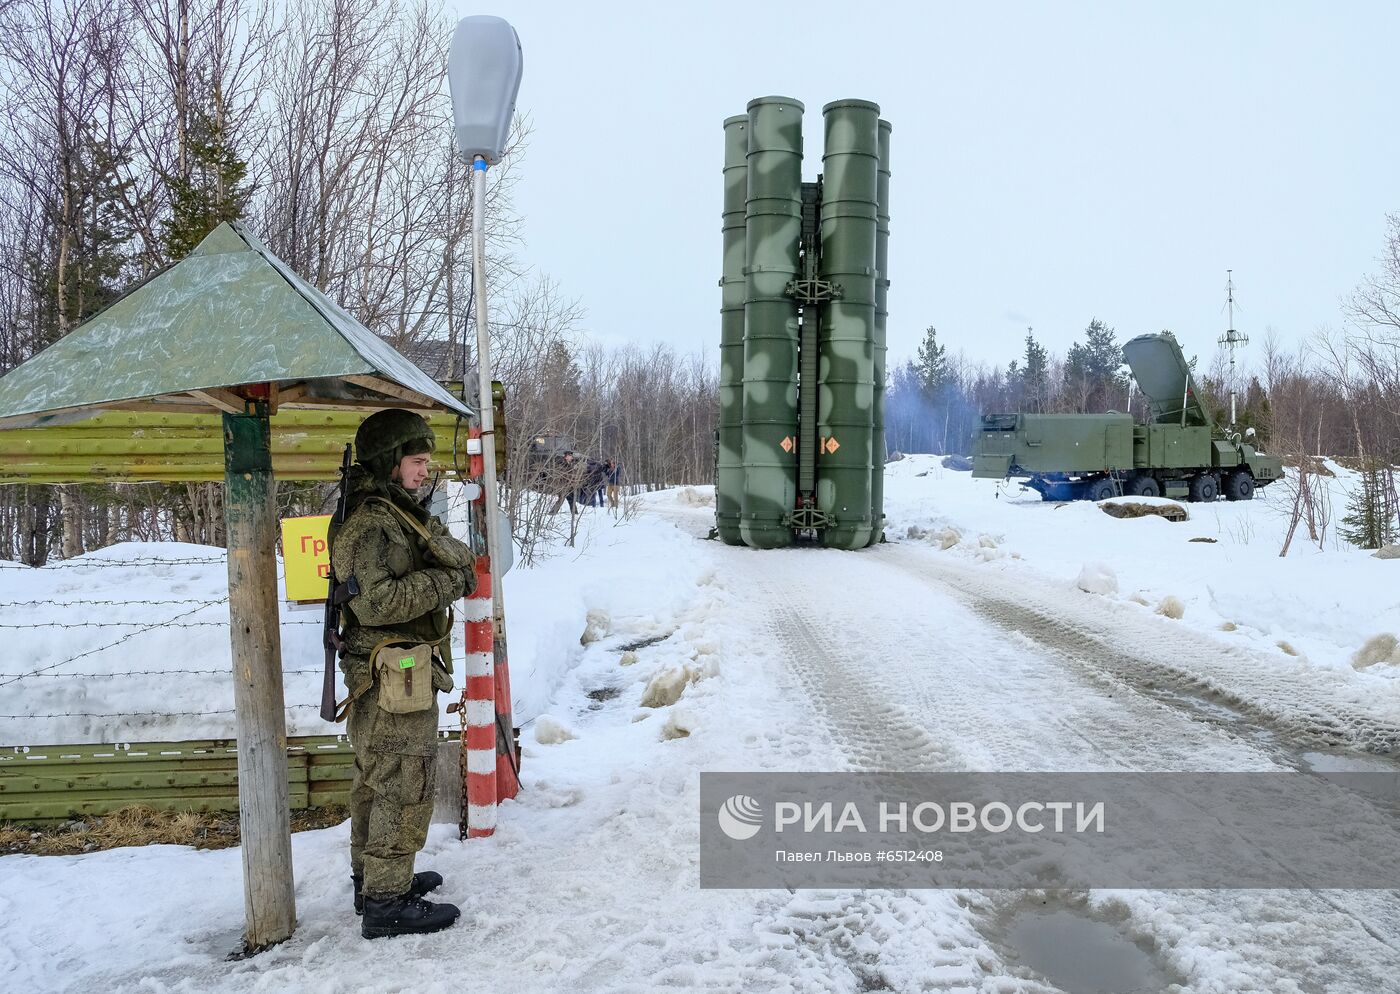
264,814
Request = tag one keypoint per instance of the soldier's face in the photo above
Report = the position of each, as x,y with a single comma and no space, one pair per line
412,471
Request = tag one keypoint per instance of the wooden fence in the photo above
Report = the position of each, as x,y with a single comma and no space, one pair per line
53,783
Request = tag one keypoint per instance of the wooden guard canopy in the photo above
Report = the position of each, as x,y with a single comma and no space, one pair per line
230,314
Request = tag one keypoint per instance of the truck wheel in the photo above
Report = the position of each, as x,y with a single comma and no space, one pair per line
1204,488
1100,490
1239,486
1145,486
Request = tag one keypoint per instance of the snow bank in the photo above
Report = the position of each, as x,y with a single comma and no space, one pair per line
1230,582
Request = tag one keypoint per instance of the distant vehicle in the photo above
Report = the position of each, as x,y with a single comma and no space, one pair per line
545,448
1179,453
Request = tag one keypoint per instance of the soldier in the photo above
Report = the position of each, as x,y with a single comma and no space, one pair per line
407,571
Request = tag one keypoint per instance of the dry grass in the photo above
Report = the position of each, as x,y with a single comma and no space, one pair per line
1288,648
1172,512
142,826
1228,626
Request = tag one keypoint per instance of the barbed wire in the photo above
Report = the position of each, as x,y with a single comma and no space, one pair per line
148,626
144,714
95,675
53,603
100,648
103,563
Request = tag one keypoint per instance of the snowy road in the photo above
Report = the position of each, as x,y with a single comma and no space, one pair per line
898,658
918,662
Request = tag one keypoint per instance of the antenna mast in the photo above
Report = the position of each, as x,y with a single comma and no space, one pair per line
1232,339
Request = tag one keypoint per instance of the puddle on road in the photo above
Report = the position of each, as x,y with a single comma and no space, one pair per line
1081,955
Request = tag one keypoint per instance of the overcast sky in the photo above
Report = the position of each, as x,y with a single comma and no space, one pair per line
1052,162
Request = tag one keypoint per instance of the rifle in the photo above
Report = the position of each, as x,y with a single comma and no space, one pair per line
336,595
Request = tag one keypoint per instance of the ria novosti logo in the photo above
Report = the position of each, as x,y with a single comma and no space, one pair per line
740,817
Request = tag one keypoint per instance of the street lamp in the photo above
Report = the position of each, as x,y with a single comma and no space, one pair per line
484,66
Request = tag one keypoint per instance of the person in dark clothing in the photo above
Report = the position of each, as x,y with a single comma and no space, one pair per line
593,478
614,478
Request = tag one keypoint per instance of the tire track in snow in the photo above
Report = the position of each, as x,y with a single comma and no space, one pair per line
1306,707
856,655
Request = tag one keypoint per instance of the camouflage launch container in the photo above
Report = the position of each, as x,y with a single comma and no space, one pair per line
773,222
729,468
846,402
800,445
882,297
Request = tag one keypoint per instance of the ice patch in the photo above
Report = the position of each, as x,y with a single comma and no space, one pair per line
1172,607
598,626
666,687
679,724
1383,648
551,731
945,538
695,498
1097,578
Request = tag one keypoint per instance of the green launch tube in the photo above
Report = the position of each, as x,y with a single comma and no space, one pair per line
729,462
773,225
882,294
845,408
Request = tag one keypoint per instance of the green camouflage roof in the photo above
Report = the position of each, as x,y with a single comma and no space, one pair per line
230,313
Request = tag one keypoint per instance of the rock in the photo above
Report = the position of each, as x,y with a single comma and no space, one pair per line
962,464
1387,552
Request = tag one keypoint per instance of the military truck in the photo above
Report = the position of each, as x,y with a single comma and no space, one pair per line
1179,453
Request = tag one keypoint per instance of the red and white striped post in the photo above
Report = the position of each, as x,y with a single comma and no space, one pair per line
478,707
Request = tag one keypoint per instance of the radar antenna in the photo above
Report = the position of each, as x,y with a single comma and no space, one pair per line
1232,340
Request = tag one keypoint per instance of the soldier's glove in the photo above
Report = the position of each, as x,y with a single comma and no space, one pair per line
447,552
463,580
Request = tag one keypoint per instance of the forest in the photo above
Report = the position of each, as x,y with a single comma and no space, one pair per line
132,129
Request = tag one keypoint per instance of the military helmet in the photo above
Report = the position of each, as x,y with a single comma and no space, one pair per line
385,437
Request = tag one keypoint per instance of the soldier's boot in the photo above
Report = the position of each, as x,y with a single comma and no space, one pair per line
423,883
405,915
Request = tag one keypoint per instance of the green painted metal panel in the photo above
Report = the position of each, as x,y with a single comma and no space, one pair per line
845,410
1164,377
773,224
39,783
126,447
882,295
230,313
729,467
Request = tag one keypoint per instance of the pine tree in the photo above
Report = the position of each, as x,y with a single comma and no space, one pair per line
1034,375
215,188
1093,368
1364,524
932,365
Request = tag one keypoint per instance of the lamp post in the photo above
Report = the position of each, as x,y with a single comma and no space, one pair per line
484,67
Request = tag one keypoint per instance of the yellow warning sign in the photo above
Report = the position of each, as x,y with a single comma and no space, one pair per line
832,445
788,444
306,557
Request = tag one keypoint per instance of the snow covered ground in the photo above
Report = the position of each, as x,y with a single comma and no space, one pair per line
649,655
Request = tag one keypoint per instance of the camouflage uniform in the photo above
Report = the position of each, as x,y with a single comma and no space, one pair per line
406,585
